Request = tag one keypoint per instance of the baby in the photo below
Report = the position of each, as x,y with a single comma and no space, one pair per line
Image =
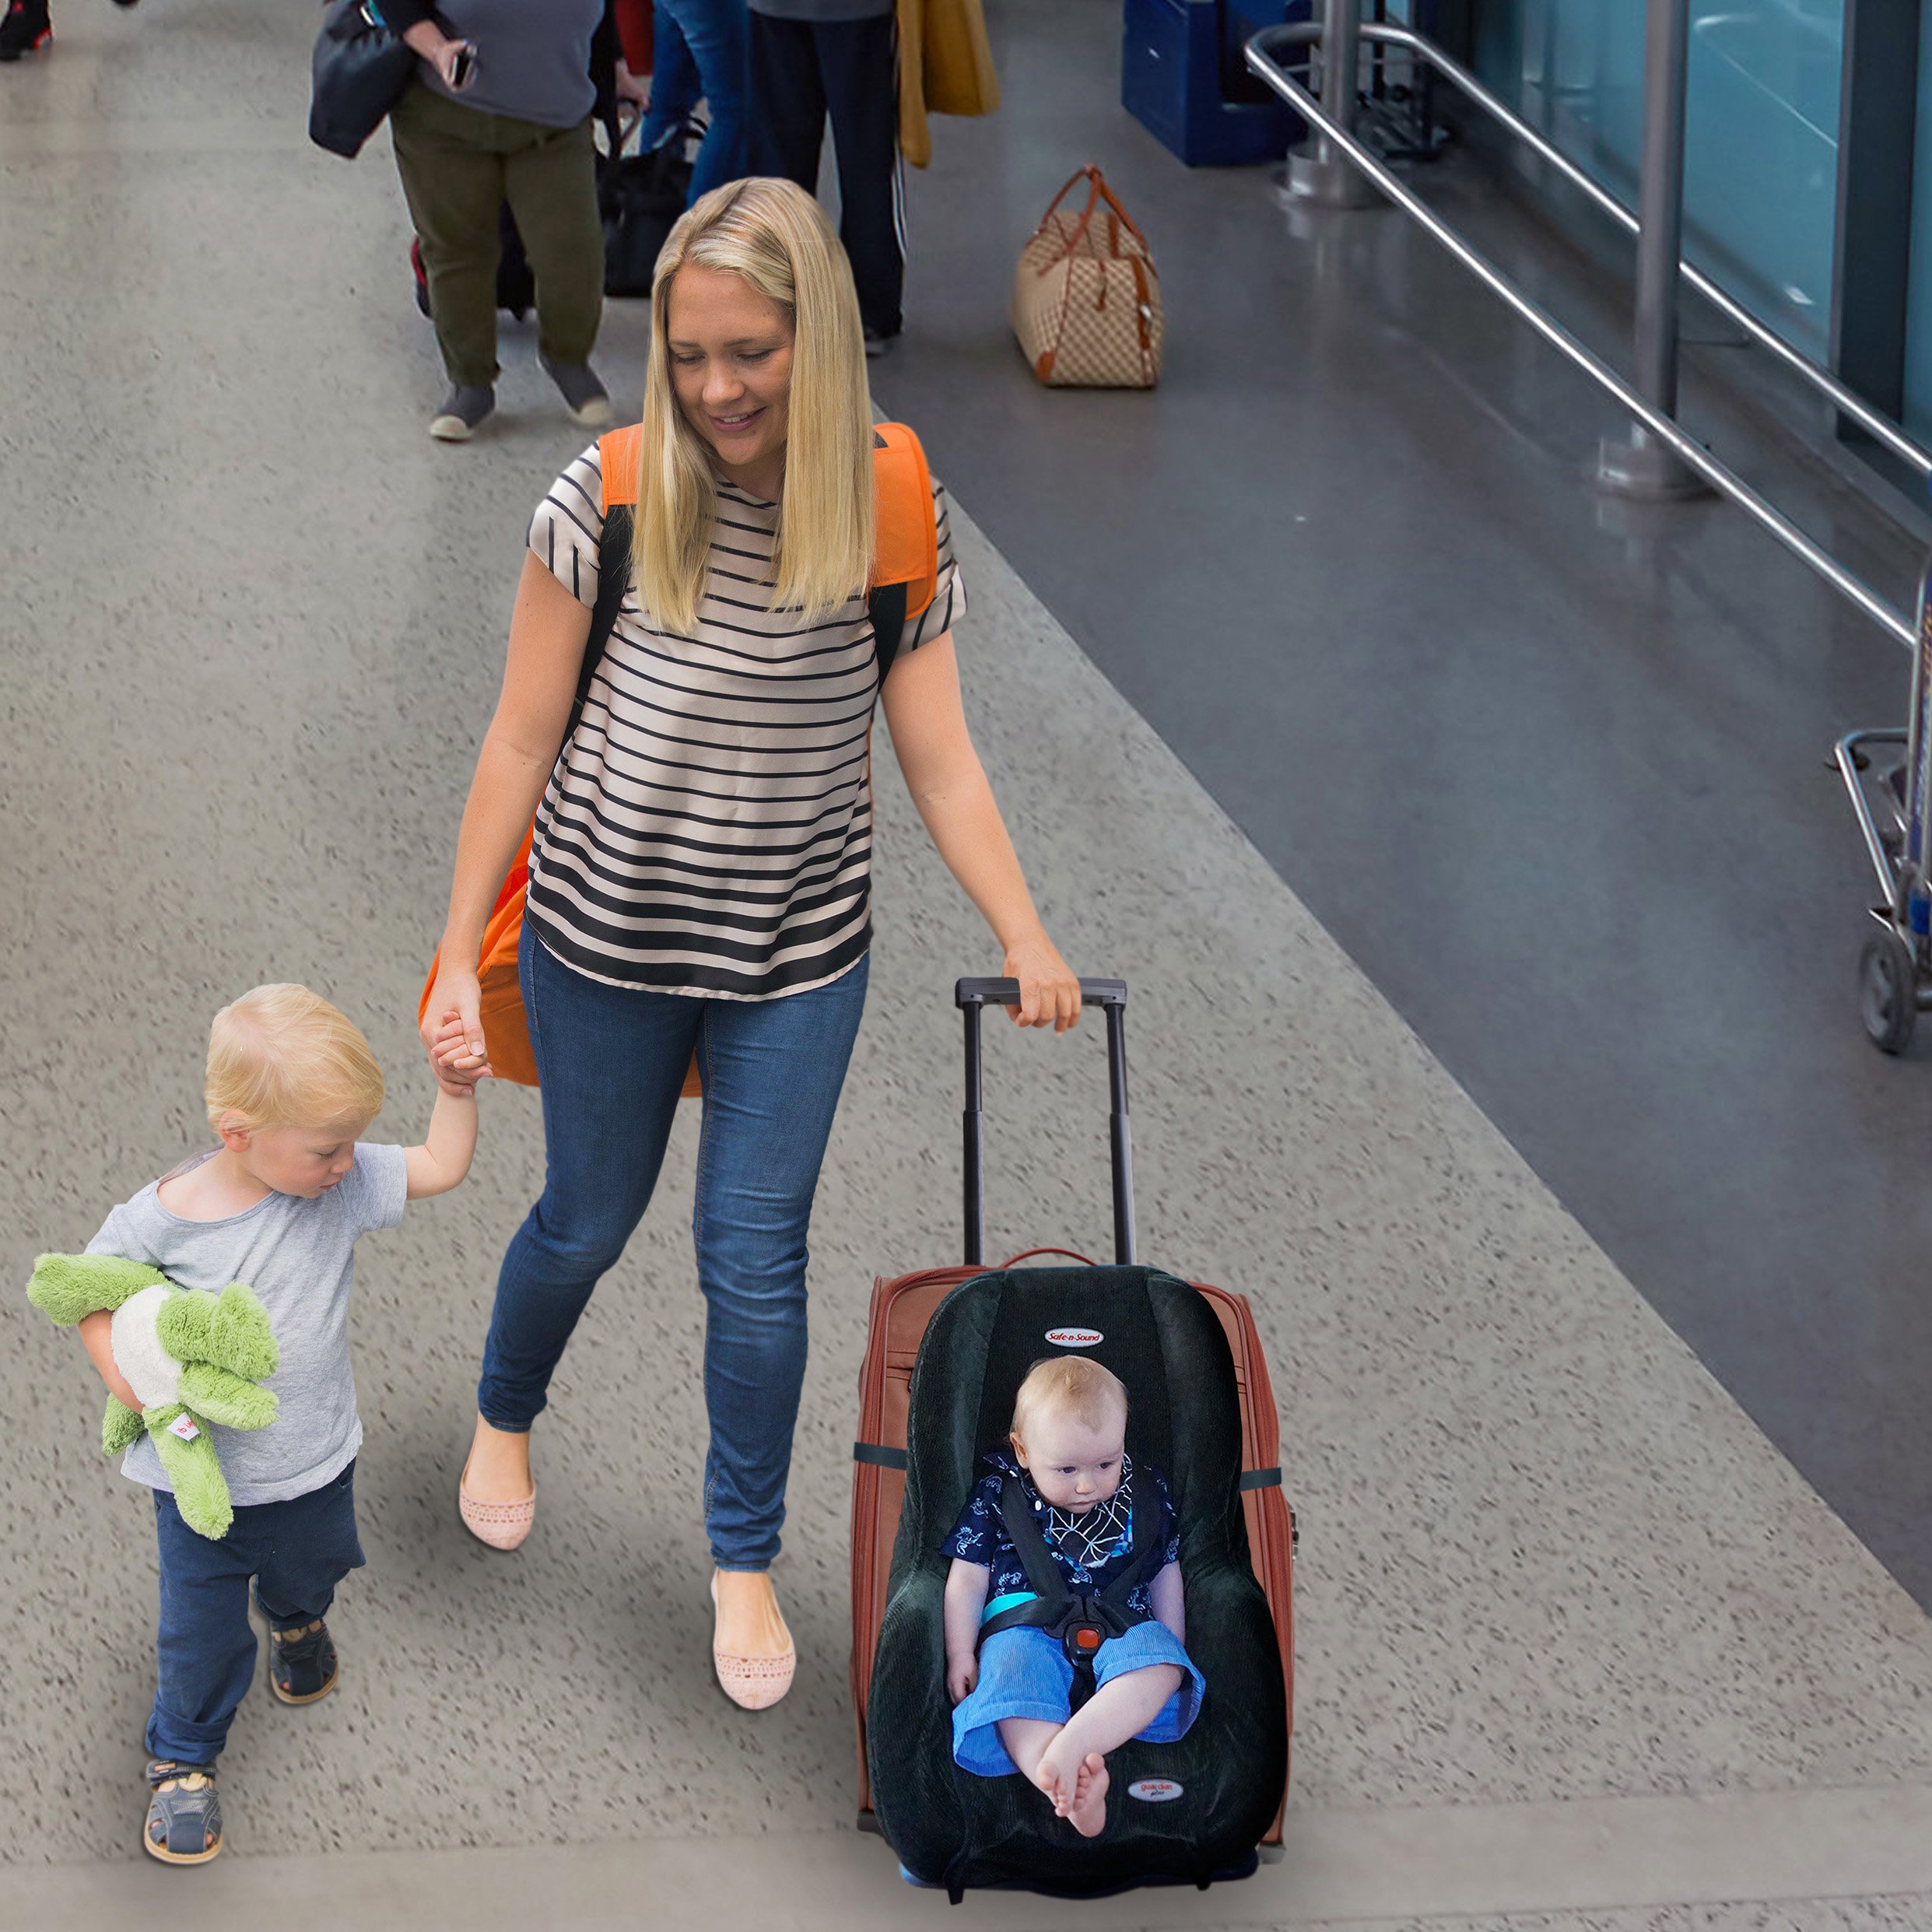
1012,1691
291,1086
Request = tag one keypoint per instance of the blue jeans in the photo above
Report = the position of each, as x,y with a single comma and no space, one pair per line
698,48
297,1551
611,1059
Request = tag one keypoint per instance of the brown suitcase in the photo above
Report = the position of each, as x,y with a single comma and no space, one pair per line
902,1307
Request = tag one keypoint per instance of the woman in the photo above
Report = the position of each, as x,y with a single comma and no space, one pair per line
501,112
699,878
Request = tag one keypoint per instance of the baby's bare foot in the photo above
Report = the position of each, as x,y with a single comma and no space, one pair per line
1059,1774
1089,1809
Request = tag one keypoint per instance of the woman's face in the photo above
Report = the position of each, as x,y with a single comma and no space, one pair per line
730,367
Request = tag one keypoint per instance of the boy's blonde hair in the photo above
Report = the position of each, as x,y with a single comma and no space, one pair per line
776,235
281,1056
1095,1395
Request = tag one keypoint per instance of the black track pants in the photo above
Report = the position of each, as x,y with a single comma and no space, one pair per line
800,70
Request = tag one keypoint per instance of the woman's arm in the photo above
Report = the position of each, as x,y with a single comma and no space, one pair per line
422,33
943,773
1168,1601
965,1598
549,630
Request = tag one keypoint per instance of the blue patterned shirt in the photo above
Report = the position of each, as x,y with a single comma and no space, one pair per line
1092,1548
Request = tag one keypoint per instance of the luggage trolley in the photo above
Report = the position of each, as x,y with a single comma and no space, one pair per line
1894,969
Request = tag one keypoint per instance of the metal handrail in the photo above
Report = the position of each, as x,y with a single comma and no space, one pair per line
1874,422
1260,52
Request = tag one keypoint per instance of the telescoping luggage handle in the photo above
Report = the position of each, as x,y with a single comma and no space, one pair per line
972,996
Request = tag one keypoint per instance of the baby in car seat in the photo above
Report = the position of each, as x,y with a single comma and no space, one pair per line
1065,1577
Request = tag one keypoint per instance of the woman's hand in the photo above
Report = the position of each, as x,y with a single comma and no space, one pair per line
458,1067
435,46
453,1018
1049,991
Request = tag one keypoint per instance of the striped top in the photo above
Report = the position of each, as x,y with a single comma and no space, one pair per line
707,829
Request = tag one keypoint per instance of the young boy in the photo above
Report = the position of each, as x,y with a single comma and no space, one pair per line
291,1086
1012,1692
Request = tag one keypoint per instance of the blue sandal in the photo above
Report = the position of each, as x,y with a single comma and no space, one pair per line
184,1816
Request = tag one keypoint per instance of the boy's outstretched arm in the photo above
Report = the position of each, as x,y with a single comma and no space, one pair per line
965,1598
1169,1602
443,1159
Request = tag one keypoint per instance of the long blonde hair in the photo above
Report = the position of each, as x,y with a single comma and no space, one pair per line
776,235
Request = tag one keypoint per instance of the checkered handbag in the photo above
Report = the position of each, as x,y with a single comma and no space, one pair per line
1087,297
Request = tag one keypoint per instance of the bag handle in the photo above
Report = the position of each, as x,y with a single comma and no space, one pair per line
1097,192
1026,1255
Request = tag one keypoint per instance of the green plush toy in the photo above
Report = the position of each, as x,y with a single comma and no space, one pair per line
192,1357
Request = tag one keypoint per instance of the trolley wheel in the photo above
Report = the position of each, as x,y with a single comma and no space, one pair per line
1887,991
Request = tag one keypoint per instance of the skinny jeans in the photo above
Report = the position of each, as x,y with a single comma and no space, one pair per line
611,1059
700,54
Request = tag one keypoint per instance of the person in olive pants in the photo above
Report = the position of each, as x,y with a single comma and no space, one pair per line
500,110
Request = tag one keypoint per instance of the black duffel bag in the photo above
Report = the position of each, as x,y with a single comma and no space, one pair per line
358,69
639,197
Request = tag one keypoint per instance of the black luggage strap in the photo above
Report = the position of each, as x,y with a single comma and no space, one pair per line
1260,1478
1082,1620
881,1455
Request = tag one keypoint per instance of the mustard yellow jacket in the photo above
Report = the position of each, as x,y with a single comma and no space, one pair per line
946,67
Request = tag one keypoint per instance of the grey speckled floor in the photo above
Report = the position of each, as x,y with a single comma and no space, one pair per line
253,626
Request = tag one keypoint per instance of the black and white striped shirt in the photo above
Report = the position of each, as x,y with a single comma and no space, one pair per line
708,827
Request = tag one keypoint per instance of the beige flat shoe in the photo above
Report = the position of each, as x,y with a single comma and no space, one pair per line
502,1525
752,1683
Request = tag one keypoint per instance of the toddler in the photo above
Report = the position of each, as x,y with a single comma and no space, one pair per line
1012,1691
291,1087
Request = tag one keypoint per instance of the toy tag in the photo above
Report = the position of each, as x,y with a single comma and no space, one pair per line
183,1426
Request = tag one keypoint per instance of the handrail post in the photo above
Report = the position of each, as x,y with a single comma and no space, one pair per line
1642,466
1319,171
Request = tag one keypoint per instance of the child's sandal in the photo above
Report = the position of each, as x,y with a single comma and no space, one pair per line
184,1816
302,1662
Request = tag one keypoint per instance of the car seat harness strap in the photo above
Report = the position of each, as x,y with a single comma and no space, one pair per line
1082,1620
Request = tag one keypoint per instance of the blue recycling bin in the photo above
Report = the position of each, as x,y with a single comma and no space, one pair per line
1182,77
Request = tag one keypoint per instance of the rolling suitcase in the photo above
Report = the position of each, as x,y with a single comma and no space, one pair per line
901,1311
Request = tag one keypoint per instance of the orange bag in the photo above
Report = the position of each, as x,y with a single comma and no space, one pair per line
905,575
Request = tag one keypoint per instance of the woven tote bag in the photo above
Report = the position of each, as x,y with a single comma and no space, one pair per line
1086,294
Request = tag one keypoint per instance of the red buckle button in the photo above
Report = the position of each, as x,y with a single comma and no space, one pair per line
1087,1639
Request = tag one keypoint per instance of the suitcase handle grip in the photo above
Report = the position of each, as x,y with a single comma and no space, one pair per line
972,996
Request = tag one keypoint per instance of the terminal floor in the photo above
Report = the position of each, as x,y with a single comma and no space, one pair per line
1580,1650
1552,773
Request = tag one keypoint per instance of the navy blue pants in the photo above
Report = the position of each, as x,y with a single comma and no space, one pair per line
296,1551
800,70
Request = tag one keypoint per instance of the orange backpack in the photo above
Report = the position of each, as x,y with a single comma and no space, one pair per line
905,574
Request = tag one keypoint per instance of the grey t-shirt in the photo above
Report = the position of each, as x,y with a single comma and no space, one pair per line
533,58
299,1256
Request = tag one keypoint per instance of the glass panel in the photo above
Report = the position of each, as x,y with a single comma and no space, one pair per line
1918,412
1761,162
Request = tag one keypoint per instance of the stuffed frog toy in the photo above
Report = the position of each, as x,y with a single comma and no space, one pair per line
192,1357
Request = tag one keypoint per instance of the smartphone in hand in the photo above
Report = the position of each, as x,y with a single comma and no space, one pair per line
463,67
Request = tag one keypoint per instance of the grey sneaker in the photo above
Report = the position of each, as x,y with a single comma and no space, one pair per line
184,1816
587,399
464,408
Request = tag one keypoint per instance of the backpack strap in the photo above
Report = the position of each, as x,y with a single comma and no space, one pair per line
617,456
906,550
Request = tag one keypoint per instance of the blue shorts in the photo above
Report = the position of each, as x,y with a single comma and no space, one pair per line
1024,1673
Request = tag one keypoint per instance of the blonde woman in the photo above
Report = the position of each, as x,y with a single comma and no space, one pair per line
699,878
